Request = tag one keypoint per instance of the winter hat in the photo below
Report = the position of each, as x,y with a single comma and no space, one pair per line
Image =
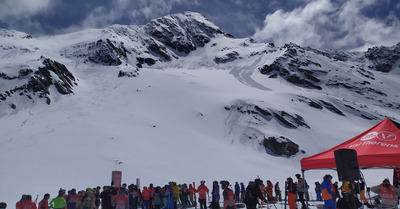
3,205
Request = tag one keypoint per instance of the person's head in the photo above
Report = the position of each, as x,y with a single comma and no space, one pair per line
3,205
61,192
386,183
224,184
298,175
28,197
328,177
46,196
202,182
23,198
289,179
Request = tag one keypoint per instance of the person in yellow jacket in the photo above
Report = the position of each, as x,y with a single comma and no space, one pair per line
175,190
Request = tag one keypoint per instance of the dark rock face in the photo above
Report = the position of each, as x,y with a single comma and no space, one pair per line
261,117
229,57
106,52
182,32
383,58
280,146
294,69
39,81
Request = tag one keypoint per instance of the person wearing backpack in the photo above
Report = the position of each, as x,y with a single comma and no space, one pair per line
87,201
301,189
252,193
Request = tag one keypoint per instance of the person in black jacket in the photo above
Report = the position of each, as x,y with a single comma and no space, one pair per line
252,193
105,198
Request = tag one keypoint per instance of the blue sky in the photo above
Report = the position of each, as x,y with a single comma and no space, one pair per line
333,24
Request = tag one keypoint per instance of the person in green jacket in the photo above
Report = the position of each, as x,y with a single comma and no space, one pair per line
58,202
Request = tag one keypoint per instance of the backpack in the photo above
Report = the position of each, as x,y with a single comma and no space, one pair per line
87,202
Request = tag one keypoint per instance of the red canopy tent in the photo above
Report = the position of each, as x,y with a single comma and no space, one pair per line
379,146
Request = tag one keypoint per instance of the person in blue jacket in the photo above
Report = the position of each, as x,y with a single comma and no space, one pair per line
328,192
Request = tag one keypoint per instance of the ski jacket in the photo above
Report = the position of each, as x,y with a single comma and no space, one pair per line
44,204
87,203
175,189
18,205
229,199
146,194
291,187
192,190
328,191
215,192
202,190
277,189
58,203
237,189
301,185
121,201
28,204
388,195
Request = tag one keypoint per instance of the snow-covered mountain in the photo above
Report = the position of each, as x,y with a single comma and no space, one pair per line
178,99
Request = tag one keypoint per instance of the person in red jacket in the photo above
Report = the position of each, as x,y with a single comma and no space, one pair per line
146,194
44,203
203,193
20,202
28,204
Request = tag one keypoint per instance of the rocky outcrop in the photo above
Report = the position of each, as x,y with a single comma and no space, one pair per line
39,81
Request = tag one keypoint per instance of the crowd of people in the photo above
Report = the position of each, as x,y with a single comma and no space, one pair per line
256,193
170,196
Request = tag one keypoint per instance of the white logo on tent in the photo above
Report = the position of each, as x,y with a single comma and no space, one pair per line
386,136
383,135
369,136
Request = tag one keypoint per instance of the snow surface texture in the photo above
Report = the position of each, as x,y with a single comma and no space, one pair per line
179,100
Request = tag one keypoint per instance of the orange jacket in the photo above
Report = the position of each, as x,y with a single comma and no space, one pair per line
146,194
202,190
28,204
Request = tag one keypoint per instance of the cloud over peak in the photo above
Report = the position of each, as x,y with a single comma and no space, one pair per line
325,24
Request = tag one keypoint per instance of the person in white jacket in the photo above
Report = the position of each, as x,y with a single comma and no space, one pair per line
388,194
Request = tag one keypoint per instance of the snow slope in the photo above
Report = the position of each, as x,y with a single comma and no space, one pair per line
189,116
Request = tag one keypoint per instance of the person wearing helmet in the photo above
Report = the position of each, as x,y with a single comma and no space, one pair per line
229,197
3,205
203,193
215,196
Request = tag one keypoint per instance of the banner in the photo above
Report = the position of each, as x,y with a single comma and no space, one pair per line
396,177
116,178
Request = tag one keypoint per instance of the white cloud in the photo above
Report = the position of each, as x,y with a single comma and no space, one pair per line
18,9
324,24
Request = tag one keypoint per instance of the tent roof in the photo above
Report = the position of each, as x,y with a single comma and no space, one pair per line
378,146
